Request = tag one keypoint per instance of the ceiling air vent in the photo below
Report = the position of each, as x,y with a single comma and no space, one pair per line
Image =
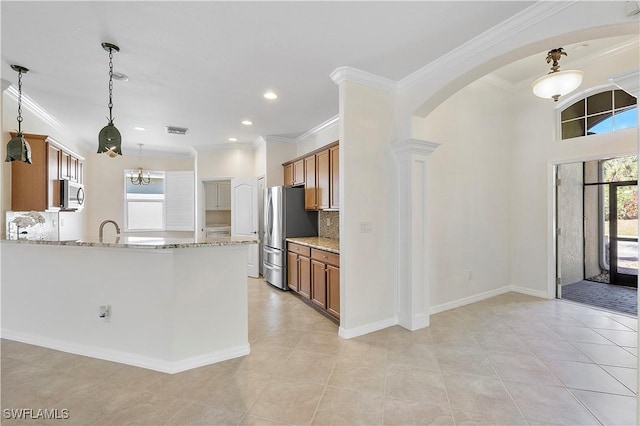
177,130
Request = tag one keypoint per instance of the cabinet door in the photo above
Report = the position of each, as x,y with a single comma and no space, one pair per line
322,179
304,278
65,161
310,200
298,173
319,283
80,172
334,179
73,169
224,196
210,196
333,290
53,182
288,174
292,271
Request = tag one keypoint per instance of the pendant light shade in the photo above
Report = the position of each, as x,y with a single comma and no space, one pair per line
557,83
18,148
109,139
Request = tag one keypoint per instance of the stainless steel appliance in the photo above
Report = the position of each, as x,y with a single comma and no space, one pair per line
71,195
284,216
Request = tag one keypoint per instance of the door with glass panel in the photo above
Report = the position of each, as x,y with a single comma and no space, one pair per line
623,233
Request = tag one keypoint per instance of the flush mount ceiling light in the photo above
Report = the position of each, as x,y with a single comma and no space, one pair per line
18,148
109,139
247,122
556,83
139,178
233,139
139,128
270,95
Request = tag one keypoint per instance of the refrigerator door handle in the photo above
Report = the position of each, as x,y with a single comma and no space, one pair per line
270,250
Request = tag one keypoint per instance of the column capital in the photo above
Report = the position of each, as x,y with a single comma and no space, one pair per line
414,146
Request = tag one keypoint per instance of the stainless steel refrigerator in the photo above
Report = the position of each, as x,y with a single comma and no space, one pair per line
284,216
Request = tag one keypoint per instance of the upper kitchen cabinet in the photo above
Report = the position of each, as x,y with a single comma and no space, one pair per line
217,195
36,186
334,177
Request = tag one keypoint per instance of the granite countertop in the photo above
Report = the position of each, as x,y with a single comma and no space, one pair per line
144,242
329,244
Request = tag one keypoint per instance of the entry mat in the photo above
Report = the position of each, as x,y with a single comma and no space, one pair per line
608,296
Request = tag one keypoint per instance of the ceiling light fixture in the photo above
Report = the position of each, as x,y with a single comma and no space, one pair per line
139,178
270,95
233,139
109,139
18,148
140,128
247,122
556,83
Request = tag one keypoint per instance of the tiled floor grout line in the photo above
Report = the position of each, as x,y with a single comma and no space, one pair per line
446,392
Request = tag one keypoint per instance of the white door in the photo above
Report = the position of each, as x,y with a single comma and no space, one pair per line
244,217
260,219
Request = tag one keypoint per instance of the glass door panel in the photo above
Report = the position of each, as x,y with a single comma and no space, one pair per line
623,224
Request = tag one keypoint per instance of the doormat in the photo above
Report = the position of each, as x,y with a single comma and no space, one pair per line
608,296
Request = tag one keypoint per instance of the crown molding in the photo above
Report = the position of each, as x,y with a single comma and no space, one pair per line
364,78
414,147
279,139
33,107
332,122
629,81
5,84
538,12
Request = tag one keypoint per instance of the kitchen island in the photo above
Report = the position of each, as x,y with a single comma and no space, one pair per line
167,304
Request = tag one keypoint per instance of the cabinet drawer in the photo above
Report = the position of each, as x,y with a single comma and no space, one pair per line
297,248
326,257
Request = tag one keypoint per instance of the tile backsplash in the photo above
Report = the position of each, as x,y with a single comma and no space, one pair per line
329,224
32,225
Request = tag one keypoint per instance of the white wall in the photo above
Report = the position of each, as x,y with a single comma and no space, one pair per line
468,183
367,260
318,139
534,150
278,152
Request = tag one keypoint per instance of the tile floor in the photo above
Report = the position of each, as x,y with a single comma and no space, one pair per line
509,360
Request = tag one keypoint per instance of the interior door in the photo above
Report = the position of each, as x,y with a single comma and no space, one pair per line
623,235
260,220
244,217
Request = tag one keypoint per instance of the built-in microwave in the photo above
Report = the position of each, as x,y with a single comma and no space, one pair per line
71,195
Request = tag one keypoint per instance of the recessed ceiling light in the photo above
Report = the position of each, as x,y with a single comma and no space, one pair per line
270,95
247,122
233,139
120,77
142,129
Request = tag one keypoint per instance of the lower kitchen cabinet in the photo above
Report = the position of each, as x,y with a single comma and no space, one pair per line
319,283
333,290
299,269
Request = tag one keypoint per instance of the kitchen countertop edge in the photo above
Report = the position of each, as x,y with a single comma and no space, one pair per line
159,245
327,244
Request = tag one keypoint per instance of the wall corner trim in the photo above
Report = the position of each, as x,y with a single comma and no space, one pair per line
349,333
414,146
364,78
332,122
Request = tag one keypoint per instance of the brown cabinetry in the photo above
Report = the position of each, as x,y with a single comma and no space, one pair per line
298,172
288,174
36,186
310,201
334,178
299,269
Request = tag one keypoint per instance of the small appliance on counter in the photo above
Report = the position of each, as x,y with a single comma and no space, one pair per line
284,217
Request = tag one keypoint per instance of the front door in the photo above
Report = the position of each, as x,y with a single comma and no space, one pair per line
244,217
623,234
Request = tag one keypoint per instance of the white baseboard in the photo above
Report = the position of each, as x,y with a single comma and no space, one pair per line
366,328
536,293
170,367
469,299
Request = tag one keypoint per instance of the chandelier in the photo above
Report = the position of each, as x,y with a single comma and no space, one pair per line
109,139
556,83
18,148
139,177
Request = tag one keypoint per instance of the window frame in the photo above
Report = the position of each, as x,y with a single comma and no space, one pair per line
162,202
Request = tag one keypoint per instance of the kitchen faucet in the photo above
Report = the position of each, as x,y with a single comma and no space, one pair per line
100,231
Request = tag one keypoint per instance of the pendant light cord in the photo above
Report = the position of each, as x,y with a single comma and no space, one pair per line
110,105
20,102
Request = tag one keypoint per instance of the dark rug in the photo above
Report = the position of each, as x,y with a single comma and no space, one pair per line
608,296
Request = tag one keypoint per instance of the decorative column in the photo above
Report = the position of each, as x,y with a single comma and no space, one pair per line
412,231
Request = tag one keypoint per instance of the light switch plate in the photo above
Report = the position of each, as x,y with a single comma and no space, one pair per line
366,227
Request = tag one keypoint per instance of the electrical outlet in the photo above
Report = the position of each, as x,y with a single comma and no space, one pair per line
328,221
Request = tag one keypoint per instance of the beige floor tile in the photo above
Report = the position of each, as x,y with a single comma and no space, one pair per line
610,409
468,418
399,334
186,385
418,355
542,404
373,354
526,331
602,322
628,321
501,342
465,361
632,351
285,339
621,338
323,343
415,384
348,407
626,376
580,334
354,375
197,414
552,349
307,366
578,375
522,368
449,339
257,421
401,412
288,401
477,394
135,378
145,409
608,355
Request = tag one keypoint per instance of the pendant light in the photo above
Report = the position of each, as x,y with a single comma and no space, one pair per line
109,139
139,178
556,83
18,148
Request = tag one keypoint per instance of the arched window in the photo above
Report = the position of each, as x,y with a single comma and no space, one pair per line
600,113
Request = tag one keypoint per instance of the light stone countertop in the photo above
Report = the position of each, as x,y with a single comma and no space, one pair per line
143,242
329,244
